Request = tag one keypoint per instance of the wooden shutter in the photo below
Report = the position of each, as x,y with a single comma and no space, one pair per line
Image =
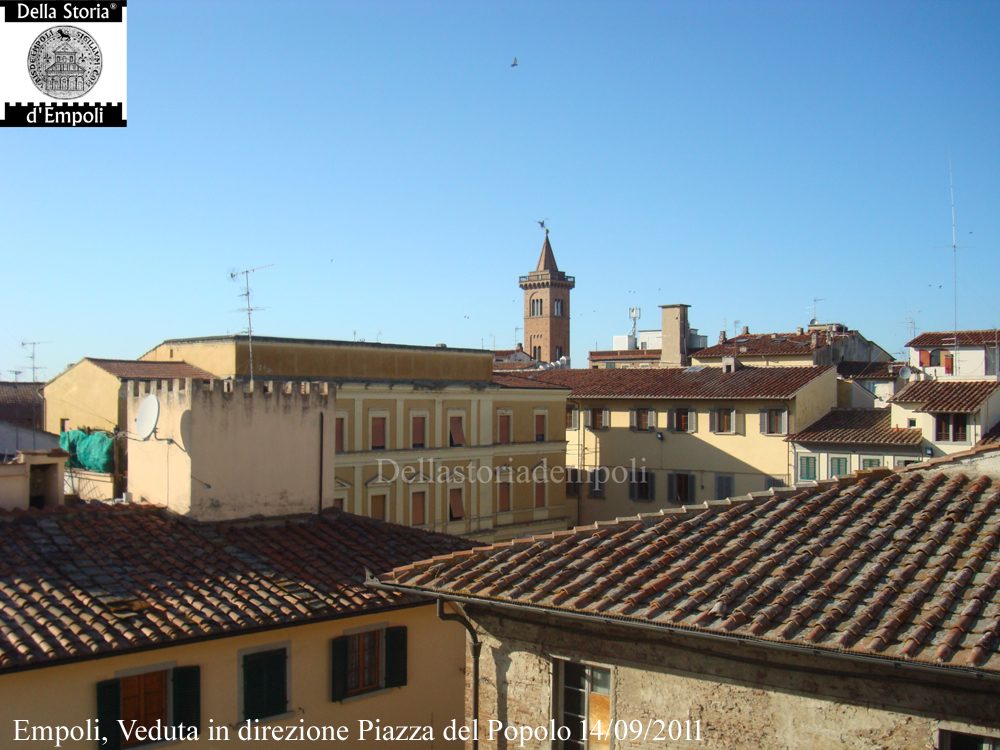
504,427
605,418
378,507
651,478
925,358
378,433
633,486
692,420
186,694
265,688
540,428
419,430
338,668
672,420
651,419
691,491
539,494
339,436
456,431
784,421
417,506
739,422
109,712
503,497
587,418
671,487
713,420
763,421
395,657
455,505
633,419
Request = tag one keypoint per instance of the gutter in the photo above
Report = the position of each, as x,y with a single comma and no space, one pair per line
685,631
476,648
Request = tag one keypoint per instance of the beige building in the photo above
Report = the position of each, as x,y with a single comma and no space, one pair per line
640,439
859,613
421,436
952,415
261,628
32,479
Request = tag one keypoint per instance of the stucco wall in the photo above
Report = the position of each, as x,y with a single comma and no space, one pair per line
13,486
85,395
433,695
744,695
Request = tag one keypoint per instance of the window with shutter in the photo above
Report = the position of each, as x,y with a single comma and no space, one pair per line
839,466
540,428
418,432
773,421
572,482
503,497
144,701
807,468
418,506
456,506
724,421
149,698
540,493
925,358
456,432
265,683
503,428
641,485
367,661
378,433
339,435
723,486
378,507
682,420
572,417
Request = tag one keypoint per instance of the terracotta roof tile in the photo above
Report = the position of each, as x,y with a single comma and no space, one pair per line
857,427
682,383
931,339
765,344
937,396
83,581
869,370
904,566
142,369
21,403
614,354
991,438
523,380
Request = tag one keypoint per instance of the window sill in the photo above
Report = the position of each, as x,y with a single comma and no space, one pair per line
266,719
366,694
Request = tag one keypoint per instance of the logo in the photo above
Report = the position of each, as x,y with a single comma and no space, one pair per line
64,62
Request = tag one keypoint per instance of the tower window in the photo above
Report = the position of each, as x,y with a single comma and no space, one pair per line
536,307
557,308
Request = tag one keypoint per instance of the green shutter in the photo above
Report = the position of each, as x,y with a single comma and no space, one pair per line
338,669
187,696
265,688
395,657
109,711
671,487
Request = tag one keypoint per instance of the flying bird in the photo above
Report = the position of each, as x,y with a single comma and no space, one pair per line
514,64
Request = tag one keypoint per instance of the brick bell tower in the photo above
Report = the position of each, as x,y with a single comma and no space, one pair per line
546,308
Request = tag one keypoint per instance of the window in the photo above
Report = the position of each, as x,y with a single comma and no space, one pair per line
643,419
596,482
572,482
540,428
572,417
536,307
418,508
503,428
680,488
839,466
456,431
456,504
807,468
418,431
951,428
363,662
963,741
584,696
598,418
378,503
536,353
378,433
149,697
723,486
338,435
911,423
539,493
773,421
723,421
265,683
948,360
641,485
503,496
771,482
64,425
559,352
557,308
871,463
685,420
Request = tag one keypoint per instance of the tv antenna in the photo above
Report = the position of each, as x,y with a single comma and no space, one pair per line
15,373
634,313
815,308
34,366
954,260
245,273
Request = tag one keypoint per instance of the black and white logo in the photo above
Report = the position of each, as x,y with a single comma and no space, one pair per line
64,62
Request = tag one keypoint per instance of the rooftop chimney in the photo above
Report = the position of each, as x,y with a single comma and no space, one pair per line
745,331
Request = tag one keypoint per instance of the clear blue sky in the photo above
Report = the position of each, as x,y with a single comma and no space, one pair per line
740,157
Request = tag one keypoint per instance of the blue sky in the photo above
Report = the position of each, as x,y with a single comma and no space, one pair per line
742,158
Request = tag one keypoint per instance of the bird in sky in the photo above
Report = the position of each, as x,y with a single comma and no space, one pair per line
514,64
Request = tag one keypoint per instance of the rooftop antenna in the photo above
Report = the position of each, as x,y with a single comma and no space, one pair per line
15,373
634,313
815,308
954,257
245,273
34,366
911,326
736,326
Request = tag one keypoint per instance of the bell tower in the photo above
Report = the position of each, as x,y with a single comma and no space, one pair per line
546,308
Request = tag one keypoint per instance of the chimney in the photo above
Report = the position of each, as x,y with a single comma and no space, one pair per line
814,340
722,337
520,347
799,330
730,364
745,331
675,330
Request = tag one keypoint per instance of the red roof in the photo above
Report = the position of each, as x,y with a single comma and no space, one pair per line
687,383
901,567
765,344
939,396
523,365
869,370
611,354
931,339
520,380
857,427
143,369
85,581
20,403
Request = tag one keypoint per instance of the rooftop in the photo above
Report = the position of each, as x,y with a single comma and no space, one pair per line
869,370
79,582
683,383
243,338
139,369
857,427
988,336
766,344
613,354
903,567
939,396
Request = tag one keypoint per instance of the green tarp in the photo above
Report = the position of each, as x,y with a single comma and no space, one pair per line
93,451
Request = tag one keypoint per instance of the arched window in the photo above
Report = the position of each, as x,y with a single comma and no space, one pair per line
536,307
557,308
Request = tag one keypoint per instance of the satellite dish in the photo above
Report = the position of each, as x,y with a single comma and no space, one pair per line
904,373
148,416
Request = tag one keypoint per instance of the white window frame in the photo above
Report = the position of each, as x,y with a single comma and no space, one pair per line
838,457
798,467
374,414
462,413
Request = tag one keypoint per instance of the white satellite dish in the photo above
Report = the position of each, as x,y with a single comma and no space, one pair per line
904,373
148,416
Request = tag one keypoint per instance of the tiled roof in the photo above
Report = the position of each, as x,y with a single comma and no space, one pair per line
611,354
937,396
904,567
521,380
869,370
141,369
765,344
991,438
546,259
683,383
525,365
80,582
20,402
929,339
857,427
